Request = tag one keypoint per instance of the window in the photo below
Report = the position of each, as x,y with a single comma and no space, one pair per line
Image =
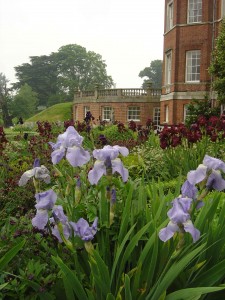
193,66
107,113
166,113
194,11
222,8
169,16
156,115
186,111
133,113
168,65
86,109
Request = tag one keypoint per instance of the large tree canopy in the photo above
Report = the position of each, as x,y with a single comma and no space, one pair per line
153,74
217,67
61,73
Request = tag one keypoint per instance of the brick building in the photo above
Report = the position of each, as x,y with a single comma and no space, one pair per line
190,30
121,105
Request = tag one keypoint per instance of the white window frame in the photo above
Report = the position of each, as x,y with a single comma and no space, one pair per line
168,67
169,16
222,8
134,113
86,109
107,113
186,111
194,11
156,115
166,113
193,59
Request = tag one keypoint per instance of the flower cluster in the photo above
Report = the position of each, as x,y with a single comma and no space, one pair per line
214,127
68,123
50,216
208,175
44,129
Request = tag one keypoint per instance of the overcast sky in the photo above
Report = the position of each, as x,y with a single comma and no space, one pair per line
128,34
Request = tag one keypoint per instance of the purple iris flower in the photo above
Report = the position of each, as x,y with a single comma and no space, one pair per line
215,181
60,217
38,172
83,230
209,171
45,202
103,157
214,163
189,190
70,143
179,220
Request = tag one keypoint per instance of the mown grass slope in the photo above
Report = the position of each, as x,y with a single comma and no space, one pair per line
57,112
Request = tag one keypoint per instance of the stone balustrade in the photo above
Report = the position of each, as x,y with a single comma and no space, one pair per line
128,92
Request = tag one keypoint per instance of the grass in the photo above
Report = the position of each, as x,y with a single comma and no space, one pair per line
57,112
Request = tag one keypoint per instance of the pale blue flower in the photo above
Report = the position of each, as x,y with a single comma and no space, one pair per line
209,171
179,220
179,213
83,230
70,144
103,157
45,202
60,217
166,233
38,172
189,190
198,175
214,163
215,181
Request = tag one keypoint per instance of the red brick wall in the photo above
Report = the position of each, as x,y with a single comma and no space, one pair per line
181,38
120,110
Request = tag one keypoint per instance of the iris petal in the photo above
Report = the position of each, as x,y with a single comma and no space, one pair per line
77,156
118,167
166,233
197,175
123,150
41,219
25,177
97,172
214,163
215,181
57,155
189,190
189,227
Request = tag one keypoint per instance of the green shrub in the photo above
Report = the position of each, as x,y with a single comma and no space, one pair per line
112,134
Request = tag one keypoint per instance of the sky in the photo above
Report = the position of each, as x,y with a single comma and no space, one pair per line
128,34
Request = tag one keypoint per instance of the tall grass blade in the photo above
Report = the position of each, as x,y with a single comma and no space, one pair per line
187,294
10,255
71,279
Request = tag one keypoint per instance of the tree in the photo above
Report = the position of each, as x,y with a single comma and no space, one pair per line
217,67
57,76
4,101
153,74
80,69
24,104
41,75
